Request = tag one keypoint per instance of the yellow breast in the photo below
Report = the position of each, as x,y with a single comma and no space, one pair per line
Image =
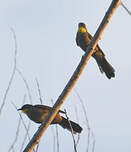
25,111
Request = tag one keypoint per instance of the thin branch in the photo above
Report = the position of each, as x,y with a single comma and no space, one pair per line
87,121
76,112
90,50
85,114
122,4
26,128
13,149
22,121
18,128
30,98
94,142
53,133
37,147
57,137
41,101
16,136
26,135
38,86
57,133
72,131
13,72
26,84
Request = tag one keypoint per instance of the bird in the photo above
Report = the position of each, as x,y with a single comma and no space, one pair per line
37,113
83,39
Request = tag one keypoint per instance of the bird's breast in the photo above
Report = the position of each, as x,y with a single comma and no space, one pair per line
83,40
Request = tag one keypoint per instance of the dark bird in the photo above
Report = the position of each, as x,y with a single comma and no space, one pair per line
37,113
83,39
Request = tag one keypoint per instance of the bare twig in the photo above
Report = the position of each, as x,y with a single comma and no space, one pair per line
22,121
122,4
26,128
18,128
87,121
13,72
89,51
16,136
53,133
94,142
85,114
37,147
90,132
40,96
41,101
57,133
30,98
72,131
26,84
57,137
26,135
78,139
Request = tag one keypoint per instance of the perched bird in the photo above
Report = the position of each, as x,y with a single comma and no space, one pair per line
37,113
83,39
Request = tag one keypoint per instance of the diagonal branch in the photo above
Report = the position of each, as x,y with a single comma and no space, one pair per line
90,50
128,11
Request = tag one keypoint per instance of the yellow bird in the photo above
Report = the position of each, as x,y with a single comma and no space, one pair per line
83,39
37,113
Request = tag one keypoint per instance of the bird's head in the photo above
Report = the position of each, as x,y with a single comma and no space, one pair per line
82,27
25,108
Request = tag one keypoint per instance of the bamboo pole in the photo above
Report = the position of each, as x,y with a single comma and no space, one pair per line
90,49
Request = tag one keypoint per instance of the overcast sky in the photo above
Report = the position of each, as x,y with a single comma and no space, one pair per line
45,32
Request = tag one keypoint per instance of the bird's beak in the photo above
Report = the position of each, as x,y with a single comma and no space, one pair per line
19,109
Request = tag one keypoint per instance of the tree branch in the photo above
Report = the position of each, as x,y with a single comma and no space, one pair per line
90,50
72,131
39,91
57,133
26,84
13,72
129,12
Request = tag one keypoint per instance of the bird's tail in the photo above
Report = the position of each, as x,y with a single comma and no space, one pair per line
65,124
105,66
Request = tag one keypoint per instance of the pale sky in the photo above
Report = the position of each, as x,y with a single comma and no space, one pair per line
47,50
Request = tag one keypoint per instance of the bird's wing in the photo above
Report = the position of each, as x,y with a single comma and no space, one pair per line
97,47
43,107
77,42
89,35
47,108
